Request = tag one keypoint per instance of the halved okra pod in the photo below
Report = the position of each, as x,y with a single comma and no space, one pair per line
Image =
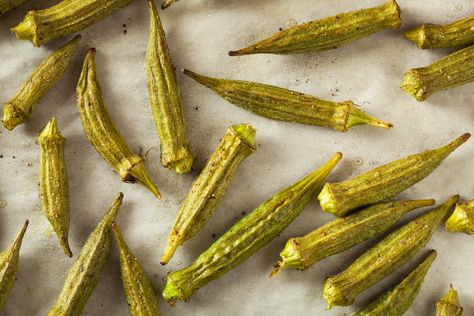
385,257
385,181
449,304
165,99
20,108
429,35
86,271
462,219
396,301
65,18
328,33
9,261
247,236
449,72
54,187
287,105
8,5
141,298
344,233
102,133
211,185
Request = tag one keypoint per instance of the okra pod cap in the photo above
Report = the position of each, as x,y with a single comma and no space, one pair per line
449,304
462,219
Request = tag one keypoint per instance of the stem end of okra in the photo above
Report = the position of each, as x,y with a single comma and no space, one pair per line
358,117
27,29
333,296
413,85
417,36
13,116
246,133
171,293
290,258
328,202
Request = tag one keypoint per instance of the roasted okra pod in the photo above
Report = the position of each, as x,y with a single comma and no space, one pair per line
85,273
211,185
286,105
102,133
396,301
449,72
449,304
9,261
458,33
385,257
328,33
165,99
8,5
20,108
385,181
344,233
65,18
247,236
462,219
54,185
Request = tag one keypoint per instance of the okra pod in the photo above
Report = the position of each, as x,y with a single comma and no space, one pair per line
211,185
449,304
85,273
449,72
458,33
141,298
9,261
167,3
102,133
54,185
165,99
385,181
8,5
65,18
328,33
286,105
462,219
20,108
396,301
344,233
247,236
385,257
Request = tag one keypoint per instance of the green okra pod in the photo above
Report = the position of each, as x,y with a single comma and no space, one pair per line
65,18
54,187
141,298
385,257
462,219
165,99
20,108
344,233
8,5
449,304
247,236
85,273
102,133
328,33
454,34
287,105
9,261
451,71
385,181
396,301
211,185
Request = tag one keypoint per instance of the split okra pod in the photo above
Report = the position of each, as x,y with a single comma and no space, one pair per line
449,304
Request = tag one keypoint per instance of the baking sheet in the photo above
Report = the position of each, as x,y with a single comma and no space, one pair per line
200,32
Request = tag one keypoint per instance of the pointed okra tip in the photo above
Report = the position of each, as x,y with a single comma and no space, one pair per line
50,130
166,3
118,235
246,133
460,140
205,81
140,173
358,117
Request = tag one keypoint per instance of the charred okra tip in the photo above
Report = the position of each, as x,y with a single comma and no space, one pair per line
449,304
462,219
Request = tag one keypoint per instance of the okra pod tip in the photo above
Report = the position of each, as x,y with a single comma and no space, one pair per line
358,117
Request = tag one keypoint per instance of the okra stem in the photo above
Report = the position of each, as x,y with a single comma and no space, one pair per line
449,304
462,219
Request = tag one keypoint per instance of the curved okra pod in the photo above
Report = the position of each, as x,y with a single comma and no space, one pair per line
165,99
247,236
344,233
287,105
449,304
385,257
8,5
429,35
65,18
211,185
54,185
385,181
449,72
328,33
102,133
396,301
20,108
462,219
9,261
85,273
141,298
